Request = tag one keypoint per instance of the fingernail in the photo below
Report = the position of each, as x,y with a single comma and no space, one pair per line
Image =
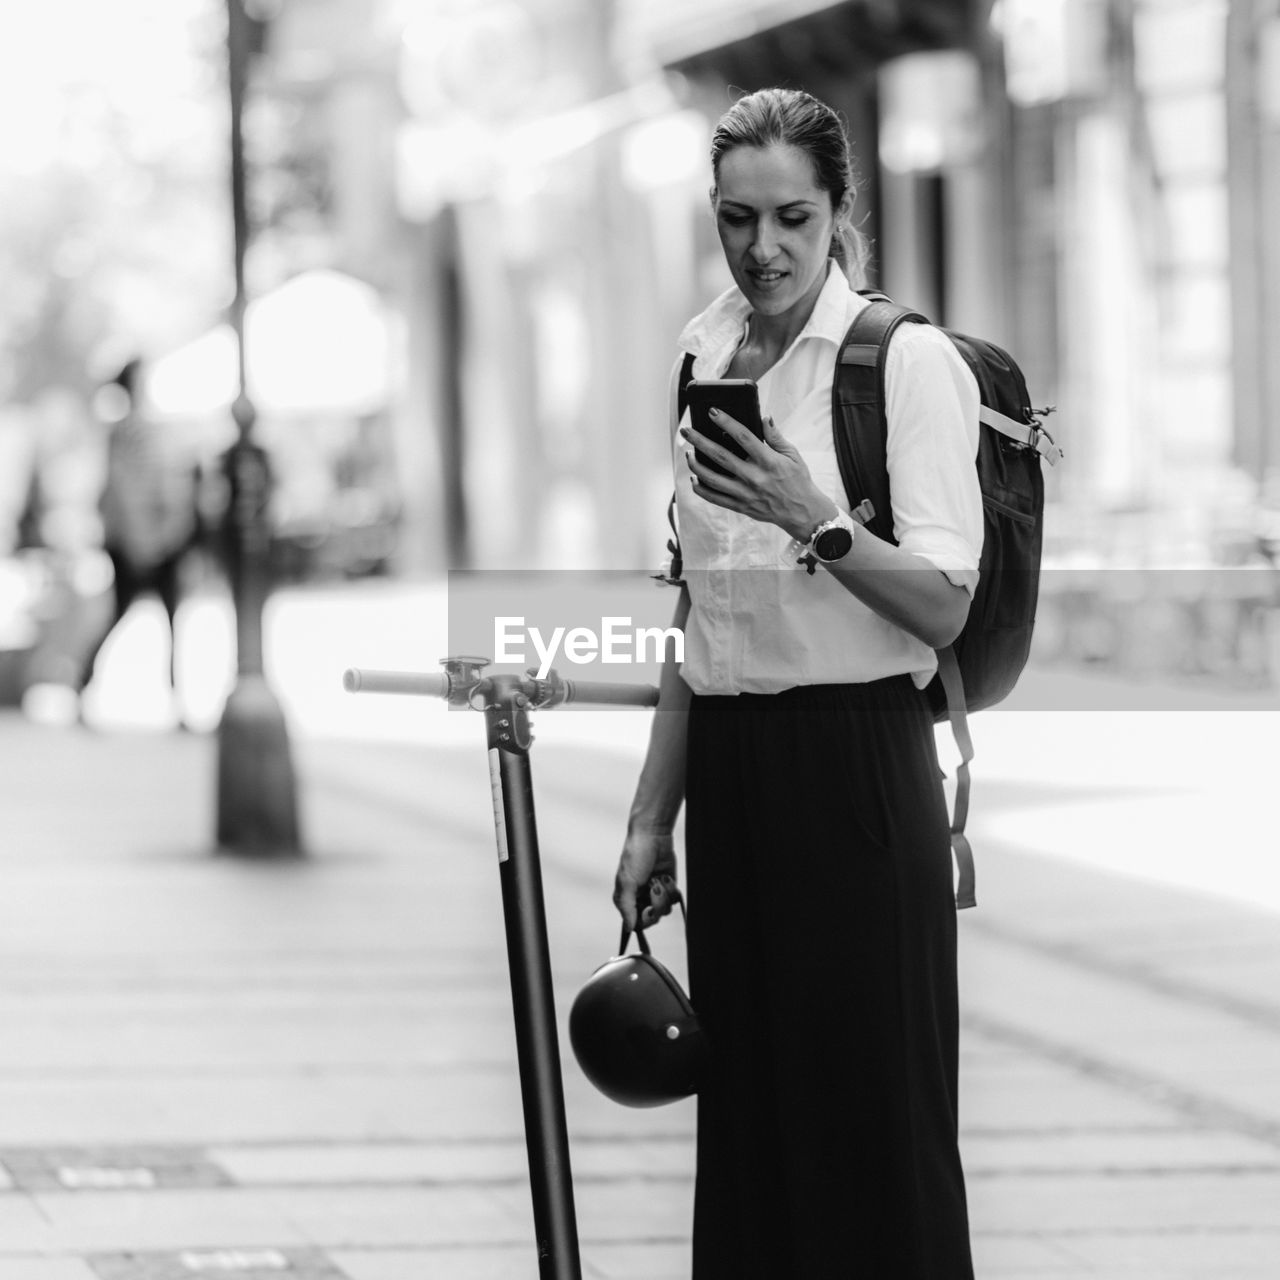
715,413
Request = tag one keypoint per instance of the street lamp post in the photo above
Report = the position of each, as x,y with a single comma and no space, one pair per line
257,791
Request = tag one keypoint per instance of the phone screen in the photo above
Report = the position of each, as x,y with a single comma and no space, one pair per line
738,397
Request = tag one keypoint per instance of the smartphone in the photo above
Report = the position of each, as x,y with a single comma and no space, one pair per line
738,397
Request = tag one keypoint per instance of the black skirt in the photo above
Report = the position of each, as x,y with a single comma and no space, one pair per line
822,962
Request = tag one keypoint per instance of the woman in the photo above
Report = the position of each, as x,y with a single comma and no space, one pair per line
821,916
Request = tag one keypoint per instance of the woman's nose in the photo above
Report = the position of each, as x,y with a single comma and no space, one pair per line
764,245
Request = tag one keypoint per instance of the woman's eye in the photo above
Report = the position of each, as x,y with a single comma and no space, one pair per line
742,219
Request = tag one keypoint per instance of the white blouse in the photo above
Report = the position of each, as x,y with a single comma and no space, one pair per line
758,622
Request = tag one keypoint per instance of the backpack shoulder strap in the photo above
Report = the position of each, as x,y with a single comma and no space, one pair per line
681,374
858,417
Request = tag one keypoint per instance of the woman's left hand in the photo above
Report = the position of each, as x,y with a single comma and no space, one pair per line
771,484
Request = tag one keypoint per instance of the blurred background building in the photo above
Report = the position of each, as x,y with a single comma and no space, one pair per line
479,226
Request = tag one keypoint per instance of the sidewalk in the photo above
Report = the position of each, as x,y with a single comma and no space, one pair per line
214,1066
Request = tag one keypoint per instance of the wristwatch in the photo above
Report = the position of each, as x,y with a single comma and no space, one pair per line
831,540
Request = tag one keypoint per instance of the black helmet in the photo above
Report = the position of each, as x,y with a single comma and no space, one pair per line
634,1032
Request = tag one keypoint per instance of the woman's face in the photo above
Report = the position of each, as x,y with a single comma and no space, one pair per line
775,226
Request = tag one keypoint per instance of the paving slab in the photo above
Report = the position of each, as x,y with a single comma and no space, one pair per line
1034,1093
36,1268
600,1261
1191,1252
469,1160
1020,1256
110,1168
1111,1151
653,1260
92,1222
25,1230
481,1261
267,1107
1058,1206
238,1263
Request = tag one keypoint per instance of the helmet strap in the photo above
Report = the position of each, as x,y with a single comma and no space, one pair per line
639,931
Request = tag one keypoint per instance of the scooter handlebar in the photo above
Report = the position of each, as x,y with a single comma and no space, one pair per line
437,685
425,684
612,695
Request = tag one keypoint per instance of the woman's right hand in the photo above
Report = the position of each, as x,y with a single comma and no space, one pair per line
646,853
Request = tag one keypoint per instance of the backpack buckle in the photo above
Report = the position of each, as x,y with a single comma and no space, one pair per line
1047,447
1040,439
1043,443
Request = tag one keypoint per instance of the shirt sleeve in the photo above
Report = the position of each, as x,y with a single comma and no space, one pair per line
932,408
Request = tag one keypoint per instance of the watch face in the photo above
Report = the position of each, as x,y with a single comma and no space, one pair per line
832,544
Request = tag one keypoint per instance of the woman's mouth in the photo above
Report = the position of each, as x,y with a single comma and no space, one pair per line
767,278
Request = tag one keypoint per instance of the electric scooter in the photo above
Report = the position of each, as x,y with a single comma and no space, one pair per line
507,701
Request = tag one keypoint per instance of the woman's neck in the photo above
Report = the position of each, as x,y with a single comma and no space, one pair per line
764,344
772,335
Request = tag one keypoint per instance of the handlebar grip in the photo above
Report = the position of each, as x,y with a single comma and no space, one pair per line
425,684
614,695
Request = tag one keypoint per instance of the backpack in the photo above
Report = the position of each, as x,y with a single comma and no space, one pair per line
983,663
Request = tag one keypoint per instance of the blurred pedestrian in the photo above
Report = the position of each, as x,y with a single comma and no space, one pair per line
148,507
57,543
821,925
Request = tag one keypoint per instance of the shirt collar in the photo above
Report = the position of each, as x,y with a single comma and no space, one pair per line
717,325
830,316
722,321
